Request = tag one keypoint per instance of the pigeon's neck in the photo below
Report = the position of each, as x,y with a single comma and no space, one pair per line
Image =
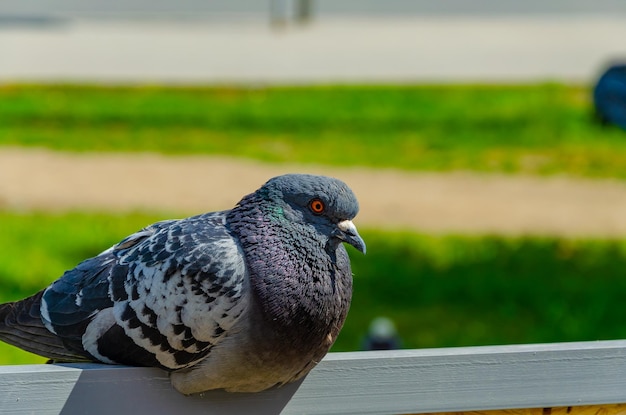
302,290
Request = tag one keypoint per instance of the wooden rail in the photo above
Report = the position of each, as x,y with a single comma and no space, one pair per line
585,378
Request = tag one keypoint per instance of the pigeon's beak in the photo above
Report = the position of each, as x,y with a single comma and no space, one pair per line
348,233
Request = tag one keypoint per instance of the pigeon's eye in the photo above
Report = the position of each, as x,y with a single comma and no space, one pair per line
317,206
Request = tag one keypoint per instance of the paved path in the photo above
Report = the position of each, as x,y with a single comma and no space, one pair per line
439,48
454,202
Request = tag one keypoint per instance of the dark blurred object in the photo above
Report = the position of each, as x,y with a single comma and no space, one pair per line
382,335
609,96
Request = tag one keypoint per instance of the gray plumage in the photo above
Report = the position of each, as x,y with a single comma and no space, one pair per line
243,299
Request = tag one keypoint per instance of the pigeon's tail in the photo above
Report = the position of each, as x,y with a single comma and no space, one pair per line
21,326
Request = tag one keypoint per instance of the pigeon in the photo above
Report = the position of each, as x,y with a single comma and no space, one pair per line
609,96
243,299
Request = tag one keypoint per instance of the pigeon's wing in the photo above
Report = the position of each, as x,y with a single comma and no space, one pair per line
27,323
162,297
70,303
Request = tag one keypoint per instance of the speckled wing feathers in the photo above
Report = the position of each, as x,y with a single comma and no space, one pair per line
161,297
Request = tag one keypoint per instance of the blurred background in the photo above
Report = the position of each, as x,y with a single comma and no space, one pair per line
488,154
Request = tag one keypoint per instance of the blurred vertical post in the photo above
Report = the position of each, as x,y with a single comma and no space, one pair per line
303,11
282,11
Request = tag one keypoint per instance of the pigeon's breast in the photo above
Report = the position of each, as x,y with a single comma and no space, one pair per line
302,294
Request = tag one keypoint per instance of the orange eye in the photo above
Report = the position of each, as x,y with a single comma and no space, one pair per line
316,206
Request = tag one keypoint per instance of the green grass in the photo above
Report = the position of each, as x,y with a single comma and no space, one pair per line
440,290
479,290
536,129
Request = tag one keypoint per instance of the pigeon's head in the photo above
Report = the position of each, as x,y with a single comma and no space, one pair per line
325,203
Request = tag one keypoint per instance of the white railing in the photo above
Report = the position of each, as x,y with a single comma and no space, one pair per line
567,375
